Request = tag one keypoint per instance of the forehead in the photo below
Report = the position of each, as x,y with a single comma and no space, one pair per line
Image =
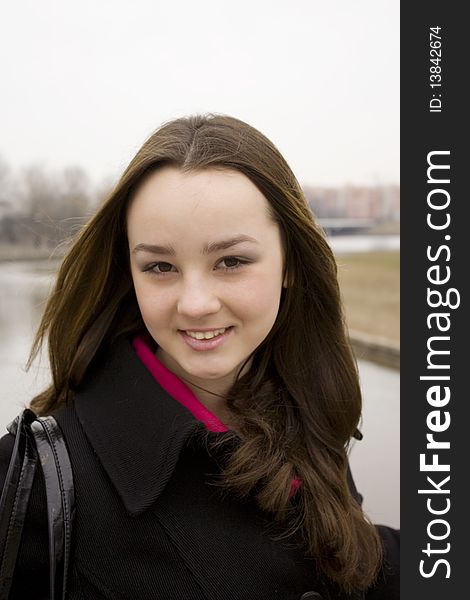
172,199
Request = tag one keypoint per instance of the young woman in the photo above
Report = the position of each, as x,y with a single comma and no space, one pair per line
206,388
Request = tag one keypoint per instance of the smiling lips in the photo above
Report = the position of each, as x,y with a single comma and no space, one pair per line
206,340
205,335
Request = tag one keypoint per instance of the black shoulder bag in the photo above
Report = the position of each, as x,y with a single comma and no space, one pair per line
38,441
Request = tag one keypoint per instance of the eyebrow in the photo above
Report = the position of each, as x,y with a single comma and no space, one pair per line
208,248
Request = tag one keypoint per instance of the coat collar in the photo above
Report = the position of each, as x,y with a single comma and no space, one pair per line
135,427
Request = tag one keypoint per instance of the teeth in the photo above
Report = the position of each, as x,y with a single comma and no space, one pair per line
206,335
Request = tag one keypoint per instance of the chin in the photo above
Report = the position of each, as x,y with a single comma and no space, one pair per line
207,373
204,374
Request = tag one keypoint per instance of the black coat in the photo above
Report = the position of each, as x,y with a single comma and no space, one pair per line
148,524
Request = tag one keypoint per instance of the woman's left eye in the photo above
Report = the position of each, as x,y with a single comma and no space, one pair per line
229,263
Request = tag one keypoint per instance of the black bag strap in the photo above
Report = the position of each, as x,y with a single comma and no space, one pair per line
38,440
14,501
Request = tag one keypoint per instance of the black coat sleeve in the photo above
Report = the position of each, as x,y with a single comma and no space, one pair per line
32,565
387,586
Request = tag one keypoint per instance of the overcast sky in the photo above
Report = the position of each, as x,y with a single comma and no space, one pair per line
85,82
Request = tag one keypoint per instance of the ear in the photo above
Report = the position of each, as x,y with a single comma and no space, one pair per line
287,282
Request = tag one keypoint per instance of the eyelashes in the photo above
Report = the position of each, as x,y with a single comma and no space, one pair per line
155,267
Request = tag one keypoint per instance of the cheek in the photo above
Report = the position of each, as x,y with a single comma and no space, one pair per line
152,306
260,299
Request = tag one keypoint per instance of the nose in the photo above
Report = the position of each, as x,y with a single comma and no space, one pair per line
197,298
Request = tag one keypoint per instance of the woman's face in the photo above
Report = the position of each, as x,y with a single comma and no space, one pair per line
206,260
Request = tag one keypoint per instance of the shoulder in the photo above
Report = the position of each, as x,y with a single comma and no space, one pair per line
7,443
387,586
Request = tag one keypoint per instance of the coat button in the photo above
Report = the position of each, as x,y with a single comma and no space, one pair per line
311,596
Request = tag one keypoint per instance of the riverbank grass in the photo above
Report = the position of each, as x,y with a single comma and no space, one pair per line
370,287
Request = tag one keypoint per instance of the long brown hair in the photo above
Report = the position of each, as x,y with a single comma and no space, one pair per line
298,406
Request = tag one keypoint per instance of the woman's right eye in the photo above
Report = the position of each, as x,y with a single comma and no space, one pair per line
159,268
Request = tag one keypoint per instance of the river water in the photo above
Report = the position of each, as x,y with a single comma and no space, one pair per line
364,243
374,460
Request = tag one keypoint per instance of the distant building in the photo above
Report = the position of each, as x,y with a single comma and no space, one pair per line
378,203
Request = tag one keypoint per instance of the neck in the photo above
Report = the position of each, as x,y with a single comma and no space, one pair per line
210,392
213,398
